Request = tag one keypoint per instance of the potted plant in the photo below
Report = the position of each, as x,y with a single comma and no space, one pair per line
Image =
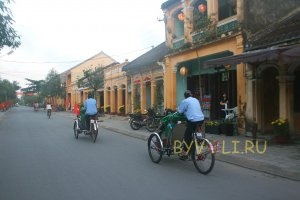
122,109
281,131
227,127
107,109
212,127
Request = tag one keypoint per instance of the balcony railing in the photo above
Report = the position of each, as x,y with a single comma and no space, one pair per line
178,42
227,25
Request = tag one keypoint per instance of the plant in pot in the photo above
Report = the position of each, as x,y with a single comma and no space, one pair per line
122,109
107,109
281,131
212,127
227,127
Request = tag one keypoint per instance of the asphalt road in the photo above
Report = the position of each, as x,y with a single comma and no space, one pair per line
40,159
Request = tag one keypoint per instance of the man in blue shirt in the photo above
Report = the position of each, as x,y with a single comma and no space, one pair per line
191,108
90,107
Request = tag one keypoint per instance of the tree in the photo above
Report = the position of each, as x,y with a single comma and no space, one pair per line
92,79
33,87
8,90
52,86
8,35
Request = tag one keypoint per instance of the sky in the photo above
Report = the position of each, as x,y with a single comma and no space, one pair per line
60,34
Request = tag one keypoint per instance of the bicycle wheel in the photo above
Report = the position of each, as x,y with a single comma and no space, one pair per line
49,114
155,148
94,133
75,130
151,125
202,156
135,124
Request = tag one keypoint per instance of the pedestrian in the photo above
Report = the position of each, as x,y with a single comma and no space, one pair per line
223,104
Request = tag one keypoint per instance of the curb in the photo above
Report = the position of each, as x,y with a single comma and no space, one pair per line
242,162
259,166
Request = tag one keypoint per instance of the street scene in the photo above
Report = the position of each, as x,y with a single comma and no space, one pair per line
160,99
41,159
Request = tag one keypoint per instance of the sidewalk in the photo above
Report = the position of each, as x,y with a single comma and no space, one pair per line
279,160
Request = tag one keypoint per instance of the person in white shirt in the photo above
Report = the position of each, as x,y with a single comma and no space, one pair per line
49,108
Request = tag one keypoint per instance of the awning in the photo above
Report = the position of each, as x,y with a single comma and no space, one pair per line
273,53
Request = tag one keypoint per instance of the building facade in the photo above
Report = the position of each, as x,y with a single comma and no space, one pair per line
197,31
77,95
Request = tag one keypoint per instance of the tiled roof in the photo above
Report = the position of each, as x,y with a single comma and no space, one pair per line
169,3
149,59
286,30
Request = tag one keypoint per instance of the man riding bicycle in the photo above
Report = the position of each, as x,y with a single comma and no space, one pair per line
90,107
191,108
49,108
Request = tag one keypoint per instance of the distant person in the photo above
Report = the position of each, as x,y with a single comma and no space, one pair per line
223,104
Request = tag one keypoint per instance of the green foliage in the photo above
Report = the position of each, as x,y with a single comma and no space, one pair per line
92,79
34,86
8,35
8,90
280,127
205,26
52,85
122,109
212,123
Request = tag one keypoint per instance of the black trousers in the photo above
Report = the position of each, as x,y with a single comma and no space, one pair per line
88,119
190,129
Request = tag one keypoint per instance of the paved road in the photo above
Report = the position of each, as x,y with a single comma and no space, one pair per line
41,160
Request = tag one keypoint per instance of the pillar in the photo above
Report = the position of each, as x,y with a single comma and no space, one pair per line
119,98
153,93
143,96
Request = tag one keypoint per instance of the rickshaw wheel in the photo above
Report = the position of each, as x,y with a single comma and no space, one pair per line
155,148
203,158
75,130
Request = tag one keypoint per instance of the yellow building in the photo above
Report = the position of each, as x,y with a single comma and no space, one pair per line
115,84
145,80
198,31
77,95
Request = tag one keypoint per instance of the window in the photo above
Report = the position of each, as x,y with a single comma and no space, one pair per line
200,14
178,24
227,8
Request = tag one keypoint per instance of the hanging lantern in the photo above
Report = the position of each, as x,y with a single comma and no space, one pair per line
183,71
181,16
202,8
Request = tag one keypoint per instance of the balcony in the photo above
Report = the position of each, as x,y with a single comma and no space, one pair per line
178,42
227,25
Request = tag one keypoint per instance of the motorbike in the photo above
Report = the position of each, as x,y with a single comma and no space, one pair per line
137,120
150,120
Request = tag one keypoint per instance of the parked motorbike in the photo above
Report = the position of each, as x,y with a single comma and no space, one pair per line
150,120
154,118
137,120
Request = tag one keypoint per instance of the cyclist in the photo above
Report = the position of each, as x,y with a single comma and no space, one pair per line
191,108
49,108
90,107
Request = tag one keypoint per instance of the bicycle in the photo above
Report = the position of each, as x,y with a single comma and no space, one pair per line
49,113
202,151
92,132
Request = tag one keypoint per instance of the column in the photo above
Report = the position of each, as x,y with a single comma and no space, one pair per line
259,96
119,98
143,96
153,93
112,101
133,93
290,100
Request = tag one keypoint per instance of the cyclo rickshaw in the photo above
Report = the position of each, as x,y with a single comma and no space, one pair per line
167,141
